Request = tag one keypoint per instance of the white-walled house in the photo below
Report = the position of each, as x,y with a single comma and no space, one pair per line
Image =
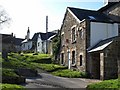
38,43
26,45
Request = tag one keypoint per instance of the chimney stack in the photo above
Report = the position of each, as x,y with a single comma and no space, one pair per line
46,34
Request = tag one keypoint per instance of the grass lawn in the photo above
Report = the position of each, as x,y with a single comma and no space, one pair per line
49,67
69,73
11,87
23,60
107,84
8,72
31,61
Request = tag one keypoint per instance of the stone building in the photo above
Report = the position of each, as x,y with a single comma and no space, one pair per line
112,9
85,38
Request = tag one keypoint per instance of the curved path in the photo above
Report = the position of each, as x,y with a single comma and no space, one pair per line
45,80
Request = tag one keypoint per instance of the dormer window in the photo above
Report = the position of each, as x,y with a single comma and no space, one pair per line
92,17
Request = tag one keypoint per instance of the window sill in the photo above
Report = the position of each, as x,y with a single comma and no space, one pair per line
74,42
73,65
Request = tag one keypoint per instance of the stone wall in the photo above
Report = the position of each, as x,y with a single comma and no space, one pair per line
68,22
80,43
114,13
111,60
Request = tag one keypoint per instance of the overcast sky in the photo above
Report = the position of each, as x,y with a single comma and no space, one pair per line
32,13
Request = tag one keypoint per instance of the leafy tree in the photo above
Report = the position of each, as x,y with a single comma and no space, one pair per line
56,46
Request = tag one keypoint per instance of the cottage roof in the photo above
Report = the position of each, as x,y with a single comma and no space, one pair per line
43,35
109,5
25,40
8,38
50,38
90,15
17,41
102,45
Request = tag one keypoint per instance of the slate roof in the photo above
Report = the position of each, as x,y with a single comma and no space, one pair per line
102,45
110,4
17,41
90,15
8,38
43,36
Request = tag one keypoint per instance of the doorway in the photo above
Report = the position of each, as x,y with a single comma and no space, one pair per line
95,65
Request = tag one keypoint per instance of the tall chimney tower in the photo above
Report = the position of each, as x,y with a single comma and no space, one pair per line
47,24
46,34
28,34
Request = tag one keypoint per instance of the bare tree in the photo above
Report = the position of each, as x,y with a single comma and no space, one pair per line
4,18
4,22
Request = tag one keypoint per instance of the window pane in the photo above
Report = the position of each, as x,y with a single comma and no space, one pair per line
80,60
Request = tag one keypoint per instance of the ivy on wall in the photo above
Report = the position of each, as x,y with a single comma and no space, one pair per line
56,45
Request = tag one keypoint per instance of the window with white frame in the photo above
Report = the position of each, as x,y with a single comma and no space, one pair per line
81,33
73,34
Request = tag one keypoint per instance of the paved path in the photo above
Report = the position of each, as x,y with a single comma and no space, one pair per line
45,80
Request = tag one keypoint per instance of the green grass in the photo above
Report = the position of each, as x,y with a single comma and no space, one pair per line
9,72
14,63
31,57
69,73
12,87
107,84
39,61
23,61
49,67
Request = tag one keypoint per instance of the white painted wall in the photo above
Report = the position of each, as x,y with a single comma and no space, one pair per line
27,45
44,46
100,31
39,44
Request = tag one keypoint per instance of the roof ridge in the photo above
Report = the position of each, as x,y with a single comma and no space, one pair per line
83,9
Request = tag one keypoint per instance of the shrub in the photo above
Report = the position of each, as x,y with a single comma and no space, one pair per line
8,72
9,76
